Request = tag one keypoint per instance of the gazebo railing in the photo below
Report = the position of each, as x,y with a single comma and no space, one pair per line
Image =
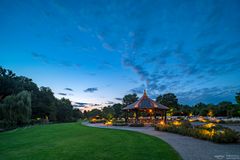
146,120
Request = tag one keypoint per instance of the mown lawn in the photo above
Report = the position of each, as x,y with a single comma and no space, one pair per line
72,141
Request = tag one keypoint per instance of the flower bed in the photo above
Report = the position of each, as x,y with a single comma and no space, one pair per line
210,131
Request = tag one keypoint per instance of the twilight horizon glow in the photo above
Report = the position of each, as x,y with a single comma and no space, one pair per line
95,52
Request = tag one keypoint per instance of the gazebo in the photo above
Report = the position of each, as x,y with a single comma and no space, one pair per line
146,105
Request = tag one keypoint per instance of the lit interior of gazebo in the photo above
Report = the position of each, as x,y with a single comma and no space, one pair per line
145,111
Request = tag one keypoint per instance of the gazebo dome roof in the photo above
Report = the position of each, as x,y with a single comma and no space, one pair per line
145,103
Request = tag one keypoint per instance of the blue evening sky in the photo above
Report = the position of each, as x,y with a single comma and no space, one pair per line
96,51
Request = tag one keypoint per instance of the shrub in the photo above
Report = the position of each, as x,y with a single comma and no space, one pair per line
225,136
136,125
41,121
118,121
97,121
119,124
3,125
214,133
186,124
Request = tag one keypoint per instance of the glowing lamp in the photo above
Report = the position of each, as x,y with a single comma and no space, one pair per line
177,123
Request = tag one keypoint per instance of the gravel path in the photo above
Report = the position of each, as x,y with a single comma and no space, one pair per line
189,148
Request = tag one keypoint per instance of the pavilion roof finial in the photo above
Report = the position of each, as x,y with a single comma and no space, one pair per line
145,93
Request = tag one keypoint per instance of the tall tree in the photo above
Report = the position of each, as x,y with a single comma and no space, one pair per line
129,99
224,109
85,114
93,113
64,110
12,84
184,110
77,114
7,82
45,104
117,110
198,107
108,112
169,99
237,97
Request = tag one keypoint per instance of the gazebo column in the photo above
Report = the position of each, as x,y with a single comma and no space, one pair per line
136,115
162,114
126,116
155,116
165,116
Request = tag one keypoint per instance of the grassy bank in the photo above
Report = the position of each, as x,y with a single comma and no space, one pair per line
74,141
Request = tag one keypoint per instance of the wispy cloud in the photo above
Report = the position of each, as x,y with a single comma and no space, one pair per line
45,59
106,65
138,90
68,89
136,68
91,90
208,95
62,94
119,99
109,102
41,57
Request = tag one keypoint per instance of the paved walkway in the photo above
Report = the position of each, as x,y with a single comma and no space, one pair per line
189,148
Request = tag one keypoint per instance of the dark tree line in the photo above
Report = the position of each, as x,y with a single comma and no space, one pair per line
22,102
224,109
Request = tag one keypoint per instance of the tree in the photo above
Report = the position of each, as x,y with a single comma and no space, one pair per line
236,111
159,99
170,100
184,110
237,97
64,110
129,99
7,83
198,107
12,84
93,113
224,109
16,109
77,114
44,105
203,112
85,114
1,113
108,112
117,110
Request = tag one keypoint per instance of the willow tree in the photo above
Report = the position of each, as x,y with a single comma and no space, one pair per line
16,109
